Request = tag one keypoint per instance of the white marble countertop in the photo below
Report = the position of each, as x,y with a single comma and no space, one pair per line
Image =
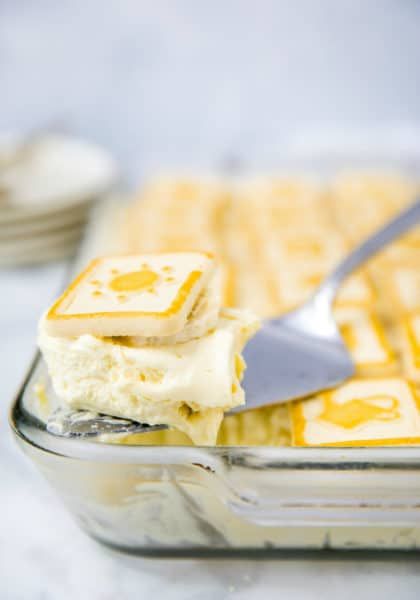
169,83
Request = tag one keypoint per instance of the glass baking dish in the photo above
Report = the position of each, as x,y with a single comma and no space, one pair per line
227,500
201,501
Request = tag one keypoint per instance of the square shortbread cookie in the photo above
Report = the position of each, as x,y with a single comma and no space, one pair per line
145,295
362,412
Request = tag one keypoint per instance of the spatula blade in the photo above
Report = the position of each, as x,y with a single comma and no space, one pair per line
284,363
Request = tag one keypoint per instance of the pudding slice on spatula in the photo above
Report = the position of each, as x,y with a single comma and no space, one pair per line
145,338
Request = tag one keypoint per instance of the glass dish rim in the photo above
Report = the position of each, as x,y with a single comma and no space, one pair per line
31,431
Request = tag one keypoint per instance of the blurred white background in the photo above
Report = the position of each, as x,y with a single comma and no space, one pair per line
169,82
192,83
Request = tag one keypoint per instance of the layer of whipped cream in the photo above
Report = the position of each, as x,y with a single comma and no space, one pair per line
188,386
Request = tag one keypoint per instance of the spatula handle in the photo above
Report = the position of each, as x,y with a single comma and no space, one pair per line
405,220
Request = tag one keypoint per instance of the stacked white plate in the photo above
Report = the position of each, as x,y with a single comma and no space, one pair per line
47,188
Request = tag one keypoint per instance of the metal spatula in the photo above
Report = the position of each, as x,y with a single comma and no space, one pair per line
291,357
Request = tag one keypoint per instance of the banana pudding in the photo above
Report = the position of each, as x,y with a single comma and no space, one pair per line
145,338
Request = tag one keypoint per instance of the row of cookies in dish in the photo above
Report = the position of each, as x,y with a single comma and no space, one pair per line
382,410
363,204
276,239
